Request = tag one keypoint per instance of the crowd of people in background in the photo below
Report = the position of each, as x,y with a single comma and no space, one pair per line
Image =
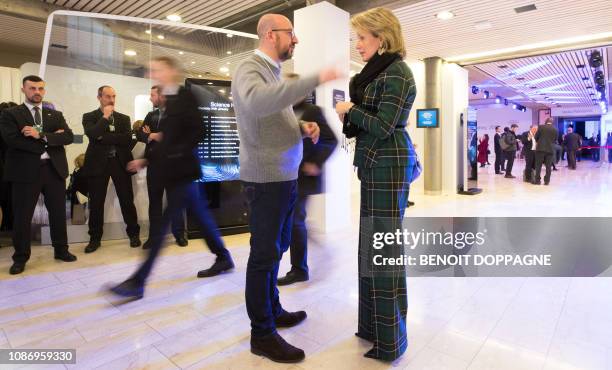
540,145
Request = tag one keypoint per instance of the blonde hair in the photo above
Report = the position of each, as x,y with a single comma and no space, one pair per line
137,125
382,23
79,161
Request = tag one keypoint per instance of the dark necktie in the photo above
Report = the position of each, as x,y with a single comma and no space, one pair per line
37,119
112,151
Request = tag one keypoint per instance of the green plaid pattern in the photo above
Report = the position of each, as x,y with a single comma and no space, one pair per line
386,104
383,302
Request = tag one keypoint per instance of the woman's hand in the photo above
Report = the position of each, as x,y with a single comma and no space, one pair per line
342,107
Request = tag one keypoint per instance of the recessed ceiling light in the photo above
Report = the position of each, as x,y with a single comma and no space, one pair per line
224,69
161,37
229,52
174,18
210,83
445,15
148,32
193,62
181,52
227,74
130,53
484,25
200,76
222,91
228,63
229,35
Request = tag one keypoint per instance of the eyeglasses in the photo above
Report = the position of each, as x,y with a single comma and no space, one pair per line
288,30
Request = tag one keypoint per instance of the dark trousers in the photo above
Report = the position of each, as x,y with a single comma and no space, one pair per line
270,221
156,188
6,203
180,197
530,165
25,197
499,161
299,236
97,195
510,158
571,159
609,155
547,159
557,156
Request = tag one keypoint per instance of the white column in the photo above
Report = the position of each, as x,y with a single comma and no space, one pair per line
324,39
455,87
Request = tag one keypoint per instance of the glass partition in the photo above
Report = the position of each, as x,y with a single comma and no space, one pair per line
84,51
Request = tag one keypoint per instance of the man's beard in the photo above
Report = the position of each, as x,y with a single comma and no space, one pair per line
36,99
286,54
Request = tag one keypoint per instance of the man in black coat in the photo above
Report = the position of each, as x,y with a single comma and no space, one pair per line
309,183
181,131
499,154
529,146
149,133
509,138
36,163
545,137
573,142
109,150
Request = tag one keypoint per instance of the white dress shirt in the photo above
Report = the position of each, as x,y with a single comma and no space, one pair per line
30,106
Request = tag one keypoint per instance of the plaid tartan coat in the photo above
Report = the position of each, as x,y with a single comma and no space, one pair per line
382,116
385,158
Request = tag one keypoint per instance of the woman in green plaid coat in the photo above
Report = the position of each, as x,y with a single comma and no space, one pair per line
381,98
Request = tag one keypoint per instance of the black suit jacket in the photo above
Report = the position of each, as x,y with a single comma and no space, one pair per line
546,136
154,124
573,141
526,143
101,140
496,143
22,163
314,153
182,130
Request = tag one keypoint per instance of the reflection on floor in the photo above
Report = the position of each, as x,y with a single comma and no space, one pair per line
184,322
583,192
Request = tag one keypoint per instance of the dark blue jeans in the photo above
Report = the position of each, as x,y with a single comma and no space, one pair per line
299,237
180,197
270,221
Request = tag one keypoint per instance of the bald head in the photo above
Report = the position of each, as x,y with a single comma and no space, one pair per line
276,36
269,22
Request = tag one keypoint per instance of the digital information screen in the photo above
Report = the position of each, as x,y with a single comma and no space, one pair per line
218,152
427,118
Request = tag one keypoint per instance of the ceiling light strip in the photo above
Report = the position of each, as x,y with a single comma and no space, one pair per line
533,49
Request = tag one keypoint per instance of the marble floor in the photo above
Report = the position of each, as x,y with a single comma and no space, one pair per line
189,323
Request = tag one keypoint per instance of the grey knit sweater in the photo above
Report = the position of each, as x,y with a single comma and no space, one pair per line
270,136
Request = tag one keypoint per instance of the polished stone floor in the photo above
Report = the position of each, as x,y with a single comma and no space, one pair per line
453,323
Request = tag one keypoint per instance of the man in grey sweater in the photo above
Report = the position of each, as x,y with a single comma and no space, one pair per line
270,155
